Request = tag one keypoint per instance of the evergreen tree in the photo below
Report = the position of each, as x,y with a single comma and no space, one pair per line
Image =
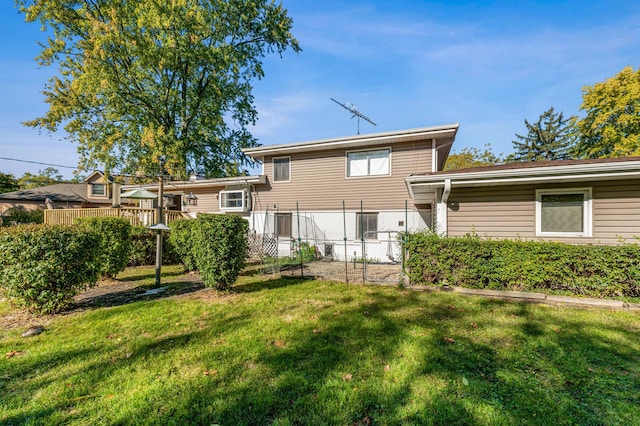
549,138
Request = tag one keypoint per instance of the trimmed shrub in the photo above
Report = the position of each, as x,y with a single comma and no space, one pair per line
219,248
180,239
44,266
115,244
143,248
472,262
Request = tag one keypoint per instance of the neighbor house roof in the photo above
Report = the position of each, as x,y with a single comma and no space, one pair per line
424,186
444,133
56,192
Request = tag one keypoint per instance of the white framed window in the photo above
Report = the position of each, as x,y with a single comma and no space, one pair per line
563,212
282,169
98,189
235,200
367,226
369,163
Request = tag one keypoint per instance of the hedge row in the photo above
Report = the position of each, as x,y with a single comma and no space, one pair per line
472,262
44,266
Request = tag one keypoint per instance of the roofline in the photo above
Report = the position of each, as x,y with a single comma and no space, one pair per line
195,184
570,172
448,130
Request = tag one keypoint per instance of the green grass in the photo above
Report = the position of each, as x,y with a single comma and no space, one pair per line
289,352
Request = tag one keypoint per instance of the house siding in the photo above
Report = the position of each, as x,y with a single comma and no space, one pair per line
509,212
319,182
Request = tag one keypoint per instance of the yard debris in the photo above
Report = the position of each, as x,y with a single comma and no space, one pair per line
33,331
387,367
13,353
279,343
449,340
347,377
210,372
316,331
474,325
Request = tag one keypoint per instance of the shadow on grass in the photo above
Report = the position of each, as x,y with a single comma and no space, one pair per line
136,294
450,360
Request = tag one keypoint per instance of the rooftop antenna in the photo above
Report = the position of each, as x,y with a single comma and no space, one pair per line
352,109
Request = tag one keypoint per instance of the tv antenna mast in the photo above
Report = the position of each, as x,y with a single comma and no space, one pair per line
352,109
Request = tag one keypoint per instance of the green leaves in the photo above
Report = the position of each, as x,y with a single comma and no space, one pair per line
142,79
611,126
45,266
592,270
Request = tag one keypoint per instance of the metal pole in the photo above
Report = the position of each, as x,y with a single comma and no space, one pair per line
299,242
159,219
344,225
364,261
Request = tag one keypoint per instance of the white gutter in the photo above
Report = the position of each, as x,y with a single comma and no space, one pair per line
217,182
440,182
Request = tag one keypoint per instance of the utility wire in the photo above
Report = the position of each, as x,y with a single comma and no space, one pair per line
37,162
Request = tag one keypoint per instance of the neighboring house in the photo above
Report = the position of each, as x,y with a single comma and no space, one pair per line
94,191
572,201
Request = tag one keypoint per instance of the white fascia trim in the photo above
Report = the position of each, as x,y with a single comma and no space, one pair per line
448,130
417,182
215,183
434,156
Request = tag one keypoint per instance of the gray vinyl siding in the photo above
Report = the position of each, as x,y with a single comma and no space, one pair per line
509,212
318,181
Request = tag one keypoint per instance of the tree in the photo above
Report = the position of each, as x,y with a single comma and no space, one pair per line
611,126
472,157
48,176
549,138
144,79
8,183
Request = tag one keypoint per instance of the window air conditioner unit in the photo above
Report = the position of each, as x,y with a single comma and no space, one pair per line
235,200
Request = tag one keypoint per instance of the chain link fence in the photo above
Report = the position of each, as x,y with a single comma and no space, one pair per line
354,246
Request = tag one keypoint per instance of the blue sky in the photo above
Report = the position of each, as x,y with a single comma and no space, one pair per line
487,65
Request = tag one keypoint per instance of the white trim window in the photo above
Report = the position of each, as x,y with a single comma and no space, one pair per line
369,163
282,169
563,212
98,190
235,200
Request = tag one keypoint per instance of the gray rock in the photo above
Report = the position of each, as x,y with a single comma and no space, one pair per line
33,331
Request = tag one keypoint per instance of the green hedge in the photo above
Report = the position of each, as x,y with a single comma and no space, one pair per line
472,262
44,266
21,215
181,240
143,248
219,248
115,242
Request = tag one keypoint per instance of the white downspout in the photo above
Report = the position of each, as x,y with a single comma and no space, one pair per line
441,209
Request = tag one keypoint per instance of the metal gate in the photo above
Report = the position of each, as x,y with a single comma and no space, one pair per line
382,257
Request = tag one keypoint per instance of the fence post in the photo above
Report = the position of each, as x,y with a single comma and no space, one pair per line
344,225
299,242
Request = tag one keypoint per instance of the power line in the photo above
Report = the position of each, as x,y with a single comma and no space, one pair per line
37,162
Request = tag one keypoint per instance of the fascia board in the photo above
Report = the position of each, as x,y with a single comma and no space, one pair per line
214,183
446,131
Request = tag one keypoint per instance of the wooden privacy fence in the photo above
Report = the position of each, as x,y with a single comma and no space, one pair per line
137,217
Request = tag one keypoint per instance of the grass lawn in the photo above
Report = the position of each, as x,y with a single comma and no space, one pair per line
289,351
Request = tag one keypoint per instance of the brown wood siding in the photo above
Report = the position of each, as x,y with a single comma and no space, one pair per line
319,182
509,212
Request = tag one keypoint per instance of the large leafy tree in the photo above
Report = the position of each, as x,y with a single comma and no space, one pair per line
472,157
611,125
549,138
8,183
143,79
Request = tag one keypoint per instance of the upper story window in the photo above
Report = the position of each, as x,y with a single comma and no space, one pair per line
563,212
282,169
98,189
369,163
